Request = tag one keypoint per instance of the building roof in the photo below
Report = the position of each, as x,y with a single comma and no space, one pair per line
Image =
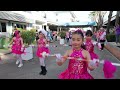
8,15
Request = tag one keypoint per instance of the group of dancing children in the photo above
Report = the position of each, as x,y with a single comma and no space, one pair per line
81,56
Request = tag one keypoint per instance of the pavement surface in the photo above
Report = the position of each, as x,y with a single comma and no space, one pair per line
31,68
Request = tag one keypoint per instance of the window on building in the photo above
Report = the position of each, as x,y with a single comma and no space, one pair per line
0,28
18,26
24,26
3,27
21,26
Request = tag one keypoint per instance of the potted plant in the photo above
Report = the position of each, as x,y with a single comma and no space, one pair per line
28,38
62,37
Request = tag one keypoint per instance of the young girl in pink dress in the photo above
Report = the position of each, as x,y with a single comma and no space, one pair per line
42,47
89,45
77,69
17,47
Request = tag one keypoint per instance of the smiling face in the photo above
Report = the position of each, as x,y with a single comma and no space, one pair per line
77,41
41,35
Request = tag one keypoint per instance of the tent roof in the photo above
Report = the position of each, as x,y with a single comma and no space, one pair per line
79,24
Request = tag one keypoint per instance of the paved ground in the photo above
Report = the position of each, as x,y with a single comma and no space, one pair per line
31,69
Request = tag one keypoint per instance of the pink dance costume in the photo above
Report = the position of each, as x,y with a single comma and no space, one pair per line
90,48
76,69
16,46
41,48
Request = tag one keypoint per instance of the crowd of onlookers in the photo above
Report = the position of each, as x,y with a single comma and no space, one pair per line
51,35
98,35
117,34
115,30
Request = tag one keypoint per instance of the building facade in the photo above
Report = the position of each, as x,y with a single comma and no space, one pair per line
28,20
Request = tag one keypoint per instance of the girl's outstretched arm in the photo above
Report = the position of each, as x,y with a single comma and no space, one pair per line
63,58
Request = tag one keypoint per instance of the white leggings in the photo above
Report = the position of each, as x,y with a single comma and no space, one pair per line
42,61
19,58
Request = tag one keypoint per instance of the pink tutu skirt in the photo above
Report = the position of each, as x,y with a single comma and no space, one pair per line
41,50
16,49
67,75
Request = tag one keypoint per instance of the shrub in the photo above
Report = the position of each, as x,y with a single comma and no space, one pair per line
62,34
111,37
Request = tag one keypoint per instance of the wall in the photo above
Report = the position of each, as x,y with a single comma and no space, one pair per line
9,28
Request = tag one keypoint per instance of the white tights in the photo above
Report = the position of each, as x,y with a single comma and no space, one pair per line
42,61
18,57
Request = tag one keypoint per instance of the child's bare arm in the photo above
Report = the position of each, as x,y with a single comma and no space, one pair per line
11,41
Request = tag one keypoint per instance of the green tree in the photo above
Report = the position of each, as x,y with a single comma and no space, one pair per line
97,16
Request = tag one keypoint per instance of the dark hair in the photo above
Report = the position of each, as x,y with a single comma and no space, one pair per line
79,32
89,33
15,34
40,32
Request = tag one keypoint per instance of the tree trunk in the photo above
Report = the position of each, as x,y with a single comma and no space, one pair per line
97,28
93,28
117,18
109,19
100,21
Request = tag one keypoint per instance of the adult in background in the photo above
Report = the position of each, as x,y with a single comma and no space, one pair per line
117,34
67,36
49,38
70,38
56,36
